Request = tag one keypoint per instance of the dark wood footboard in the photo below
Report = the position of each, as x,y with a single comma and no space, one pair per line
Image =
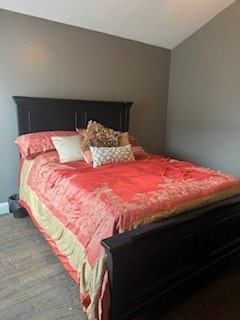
148,262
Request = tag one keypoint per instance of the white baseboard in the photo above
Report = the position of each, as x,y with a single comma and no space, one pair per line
4,207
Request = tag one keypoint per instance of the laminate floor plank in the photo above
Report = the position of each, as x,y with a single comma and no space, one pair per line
33,283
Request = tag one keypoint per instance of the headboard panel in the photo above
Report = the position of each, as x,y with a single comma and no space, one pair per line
43,114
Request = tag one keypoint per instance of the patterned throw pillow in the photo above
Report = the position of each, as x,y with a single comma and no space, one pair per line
105,155
97,135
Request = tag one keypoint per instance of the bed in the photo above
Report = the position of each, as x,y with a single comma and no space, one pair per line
150,260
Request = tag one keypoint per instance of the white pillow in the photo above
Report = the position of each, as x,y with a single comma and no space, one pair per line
105,155
68,148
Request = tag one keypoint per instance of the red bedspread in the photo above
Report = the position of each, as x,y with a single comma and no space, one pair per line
94,204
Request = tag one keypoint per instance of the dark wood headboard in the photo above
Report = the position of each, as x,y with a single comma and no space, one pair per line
43,114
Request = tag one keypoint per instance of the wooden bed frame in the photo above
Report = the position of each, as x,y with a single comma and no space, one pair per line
150,261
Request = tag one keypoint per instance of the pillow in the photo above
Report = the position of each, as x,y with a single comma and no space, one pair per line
32,144
139,152
133,141
137,149
105,155
123,141
81,131
68,148
97,135
87,156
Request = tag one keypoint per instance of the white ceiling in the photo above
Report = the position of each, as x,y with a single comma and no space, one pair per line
164,23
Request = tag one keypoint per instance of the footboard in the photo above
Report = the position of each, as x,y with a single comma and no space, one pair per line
149,261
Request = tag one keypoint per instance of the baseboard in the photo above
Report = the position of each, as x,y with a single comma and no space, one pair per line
4,207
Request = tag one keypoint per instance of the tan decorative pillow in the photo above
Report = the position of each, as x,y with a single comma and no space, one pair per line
97,135
133,141
123,141
68,148
106,155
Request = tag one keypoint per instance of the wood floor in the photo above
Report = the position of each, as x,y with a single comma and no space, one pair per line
34,285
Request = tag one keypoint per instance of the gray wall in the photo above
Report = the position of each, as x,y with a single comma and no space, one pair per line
48,59
203,120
